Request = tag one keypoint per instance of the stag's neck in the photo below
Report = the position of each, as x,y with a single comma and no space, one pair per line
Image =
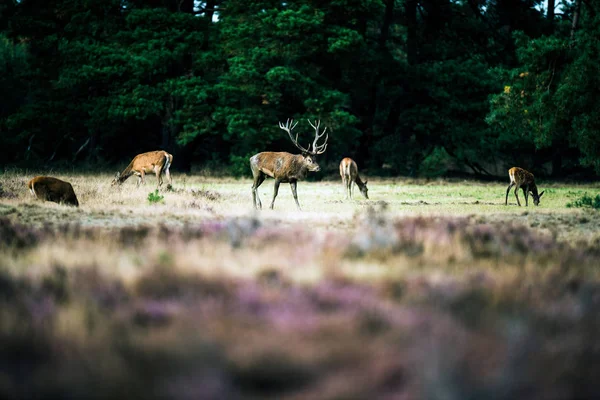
533,189
299,171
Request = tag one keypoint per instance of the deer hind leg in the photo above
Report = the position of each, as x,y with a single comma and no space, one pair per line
350,188
293,185
158,173
168,175
517,187
347,186
507,191
275,191
168,161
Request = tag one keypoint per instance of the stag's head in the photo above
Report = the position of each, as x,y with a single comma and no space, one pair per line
310,156
311,162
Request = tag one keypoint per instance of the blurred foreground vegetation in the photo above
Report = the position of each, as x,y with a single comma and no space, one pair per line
411,308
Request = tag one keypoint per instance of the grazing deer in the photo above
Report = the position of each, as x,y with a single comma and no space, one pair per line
47,188
286,167
349,174
146,163
525,180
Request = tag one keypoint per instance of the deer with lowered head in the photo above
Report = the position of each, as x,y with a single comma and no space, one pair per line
47,188
525,180
157,162
285,167
349,174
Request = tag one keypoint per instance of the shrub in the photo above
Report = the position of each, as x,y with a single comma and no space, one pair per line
155,197
586,201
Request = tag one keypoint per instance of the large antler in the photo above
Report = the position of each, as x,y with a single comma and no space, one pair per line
318,149
289,127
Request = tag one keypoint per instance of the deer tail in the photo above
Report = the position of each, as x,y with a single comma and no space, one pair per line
32,188
168,161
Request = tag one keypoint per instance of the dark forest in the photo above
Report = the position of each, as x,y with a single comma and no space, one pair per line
409,88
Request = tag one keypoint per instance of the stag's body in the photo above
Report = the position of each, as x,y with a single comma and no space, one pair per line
525,180
349,174
47,188
157,162
285,167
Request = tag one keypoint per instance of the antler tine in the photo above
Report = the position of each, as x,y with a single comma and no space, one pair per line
319,149
289,130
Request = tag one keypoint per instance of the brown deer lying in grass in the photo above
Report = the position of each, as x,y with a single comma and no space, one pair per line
286,167
349,174
525,180
47,188
155,162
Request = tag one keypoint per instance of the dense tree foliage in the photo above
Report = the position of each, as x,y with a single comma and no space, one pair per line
405,86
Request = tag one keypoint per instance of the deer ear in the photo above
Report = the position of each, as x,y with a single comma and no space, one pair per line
366,181
541,194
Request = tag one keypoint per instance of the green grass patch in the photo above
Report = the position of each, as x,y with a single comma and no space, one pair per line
155,197
586,201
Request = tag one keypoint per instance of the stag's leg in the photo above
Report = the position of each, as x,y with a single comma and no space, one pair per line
517,187
168,175
275,191
259,178
293,186
508,190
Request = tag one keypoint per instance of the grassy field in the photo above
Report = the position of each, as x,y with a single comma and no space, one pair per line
429,290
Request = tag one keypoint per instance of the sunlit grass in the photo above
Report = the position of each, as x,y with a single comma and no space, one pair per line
324,207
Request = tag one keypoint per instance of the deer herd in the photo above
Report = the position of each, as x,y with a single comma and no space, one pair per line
283,167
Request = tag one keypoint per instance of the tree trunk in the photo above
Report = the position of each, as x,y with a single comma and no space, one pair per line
209,14
411,36
165,137
575,23
550,13
186,6
387,22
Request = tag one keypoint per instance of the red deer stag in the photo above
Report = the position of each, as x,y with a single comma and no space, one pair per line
349,174
47,188
523,179
286,167
155,162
